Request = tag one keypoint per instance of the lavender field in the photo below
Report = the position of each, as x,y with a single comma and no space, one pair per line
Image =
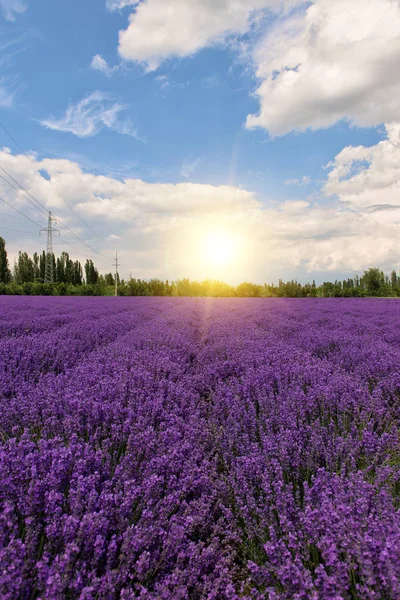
170,448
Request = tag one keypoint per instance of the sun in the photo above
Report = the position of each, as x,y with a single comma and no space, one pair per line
219,248
211,250
219,251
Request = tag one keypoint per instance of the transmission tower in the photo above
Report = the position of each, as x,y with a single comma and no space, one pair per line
116,265
49,230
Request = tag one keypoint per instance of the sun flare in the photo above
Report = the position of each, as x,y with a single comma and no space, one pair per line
218,251
212,250
219,248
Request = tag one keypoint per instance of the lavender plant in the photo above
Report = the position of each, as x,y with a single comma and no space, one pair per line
161,448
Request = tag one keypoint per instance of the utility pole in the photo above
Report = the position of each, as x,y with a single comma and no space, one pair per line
116,265
49,230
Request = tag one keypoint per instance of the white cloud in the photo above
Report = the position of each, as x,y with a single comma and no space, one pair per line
294,206
113,5
336,60
307,79
100,64
163,80
11,8
159,224
305,180
368,178
90,115
161,29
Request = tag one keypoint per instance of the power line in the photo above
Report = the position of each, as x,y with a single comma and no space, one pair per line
73,247
49,181
40,227
21,194
77,237
44,211
21,213
22,188
26,217
15,230
14,140
49,230
12,216
61,224
63,241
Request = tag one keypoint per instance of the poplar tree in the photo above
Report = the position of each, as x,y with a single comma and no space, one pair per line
5,273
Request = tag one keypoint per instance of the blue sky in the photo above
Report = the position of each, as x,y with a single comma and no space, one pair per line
212,118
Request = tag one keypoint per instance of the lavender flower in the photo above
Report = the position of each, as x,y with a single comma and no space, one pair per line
161,448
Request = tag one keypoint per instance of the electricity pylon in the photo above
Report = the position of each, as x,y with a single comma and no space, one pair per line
116,265
49,230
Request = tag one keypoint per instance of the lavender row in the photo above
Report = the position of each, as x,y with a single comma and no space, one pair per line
176,448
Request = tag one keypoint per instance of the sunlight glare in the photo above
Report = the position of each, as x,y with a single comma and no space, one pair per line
219,251
219,248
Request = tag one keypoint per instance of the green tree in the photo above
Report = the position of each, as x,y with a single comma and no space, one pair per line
77,273
5,273
60,269
156,287
36,267
373,281
42,266
24,269
109,279
92,274
248,290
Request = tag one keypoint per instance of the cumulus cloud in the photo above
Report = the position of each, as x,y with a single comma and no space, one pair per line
160,29
91,114
160,224
334,60
307,79
294,206
368,178
11,8
136,199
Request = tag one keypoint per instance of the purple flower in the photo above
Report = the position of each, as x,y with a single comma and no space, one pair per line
169,448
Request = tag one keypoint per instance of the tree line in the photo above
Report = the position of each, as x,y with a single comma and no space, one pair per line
71,279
